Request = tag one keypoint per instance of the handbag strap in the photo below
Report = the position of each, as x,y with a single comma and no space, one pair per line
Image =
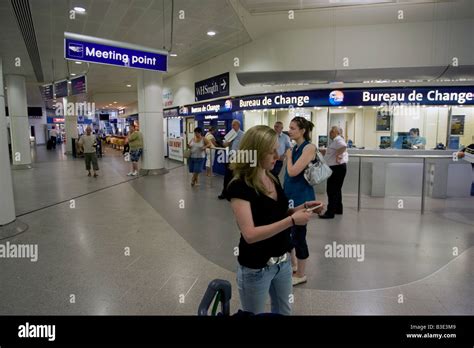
320,157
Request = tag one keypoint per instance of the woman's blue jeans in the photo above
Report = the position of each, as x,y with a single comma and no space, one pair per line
256,284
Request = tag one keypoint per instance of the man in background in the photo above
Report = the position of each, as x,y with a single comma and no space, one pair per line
283,145
234,146
54,136
88,143
462,154
135,141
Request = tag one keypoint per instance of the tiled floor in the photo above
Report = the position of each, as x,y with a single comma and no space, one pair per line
128,246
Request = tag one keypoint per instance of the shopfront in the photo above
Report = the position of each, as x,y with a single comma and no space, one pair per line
174,148
415,121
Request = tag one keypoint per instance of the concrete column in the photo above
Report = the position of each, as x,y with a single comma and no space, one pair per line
7,204
19,125
70,125
150,116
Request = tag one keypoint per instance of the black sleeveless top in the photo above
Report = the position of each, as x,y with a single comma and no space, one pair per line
265,211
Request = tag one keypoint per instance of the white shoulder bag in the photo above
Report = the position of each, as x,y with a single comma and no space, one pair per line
317,172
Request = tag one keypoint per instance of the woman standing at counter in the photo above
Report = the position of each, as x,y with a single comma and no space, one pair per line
336,157
297,188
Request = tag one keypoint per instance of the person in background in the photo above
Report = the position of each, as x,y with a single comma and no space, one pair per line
283,145
88,143
260,208
198,146
209,152
298,190
416,142
54,136
462,154
135,142
336,157
234,146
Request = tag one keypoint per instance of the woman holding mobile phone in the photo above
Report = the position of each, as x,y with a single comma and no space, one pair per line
261,210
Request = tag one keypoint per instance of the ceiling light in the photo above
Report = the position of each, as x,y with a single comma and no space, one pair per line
173,55
115,102
129,86
79,9
72,74
211,33
78,62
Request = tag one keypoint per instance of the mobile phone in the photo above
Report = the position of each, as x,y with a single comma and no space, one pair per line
315,207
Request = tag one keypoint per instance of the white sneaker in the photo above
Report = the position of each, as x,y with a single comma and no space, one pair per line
134,173
297,281
130,174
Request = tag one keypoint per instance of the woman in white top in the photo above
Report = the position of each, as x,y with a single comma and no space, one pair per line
209,152
336,157
198,146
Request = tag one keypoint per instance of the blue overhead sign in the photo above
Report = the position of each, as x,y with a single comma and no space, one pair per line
455,95
214,87
95,50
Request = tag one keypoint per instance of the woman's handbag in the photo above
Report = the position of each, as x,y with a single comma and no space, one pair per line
187,153
317,172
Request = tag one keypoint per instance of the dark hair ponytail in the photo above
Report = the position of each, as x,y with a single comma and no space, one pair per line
303,123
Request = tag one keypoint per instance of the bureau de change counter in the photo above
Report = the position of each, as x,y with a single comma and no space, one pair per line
391,172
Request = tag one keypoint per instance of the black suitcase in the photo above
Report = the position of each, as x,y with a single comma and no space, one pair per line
49,145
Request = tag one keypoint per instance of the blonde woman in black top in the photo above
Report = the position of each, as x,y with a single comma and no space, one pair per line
264,219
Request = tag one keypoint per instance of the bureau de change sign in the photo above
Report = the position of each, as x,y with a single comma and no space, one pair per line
102,51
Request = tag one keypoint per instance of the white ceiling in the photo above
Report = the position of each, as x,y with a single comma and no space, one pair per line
236,22
141,22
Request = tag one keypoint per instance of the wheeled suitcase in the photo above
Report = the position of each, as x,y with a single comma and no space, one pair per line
49,145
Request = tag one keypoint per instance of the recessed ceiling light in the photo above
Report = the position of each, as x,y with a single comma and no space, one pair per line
78,62
173,55
129,86
79,9
211,33
72,74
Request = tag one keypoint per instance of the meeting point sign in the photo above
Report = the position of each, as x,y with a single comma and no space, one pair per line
102,51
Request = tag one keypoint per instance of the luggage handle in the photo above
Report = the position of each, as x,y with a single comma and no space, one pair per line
222,291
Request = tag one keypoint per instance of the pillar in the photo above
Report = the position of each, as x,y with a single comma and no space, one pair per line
70,125
7,204
150,116
19,125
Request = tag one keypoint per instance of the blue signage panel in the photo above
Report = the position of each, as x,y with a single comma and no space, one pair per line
104,54
170,112
218,106
78,85
214,87
60,89
390,96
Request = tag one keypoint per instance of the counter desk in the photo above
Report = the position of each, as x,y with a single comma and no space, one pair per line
393,172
